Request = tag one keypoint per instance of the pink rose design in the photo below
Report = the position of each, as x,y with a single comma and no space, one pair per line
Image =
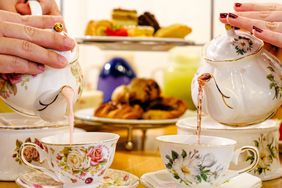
96,155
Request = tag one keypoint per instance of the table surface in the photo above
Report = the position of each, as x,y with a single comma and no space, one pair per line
140,162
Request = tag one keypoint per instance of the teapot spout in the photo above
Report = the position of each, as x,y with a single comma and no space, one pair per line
52,105
207,80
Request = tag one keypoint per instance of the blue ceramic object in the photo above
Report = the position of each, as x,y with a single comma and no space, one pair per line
114,73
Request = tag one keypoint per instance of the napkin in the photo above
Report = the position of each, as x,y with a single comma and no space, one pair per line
162,178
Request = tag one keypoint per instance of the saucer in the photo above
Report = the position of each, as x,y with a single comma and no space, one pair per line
112,179
162,178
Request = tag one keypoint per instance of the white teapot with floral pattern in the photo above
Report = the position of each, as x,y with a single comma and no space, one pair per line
40,95
242,81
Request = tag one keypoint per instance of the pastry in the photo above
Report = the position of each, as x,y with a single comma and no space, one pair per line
116,32
143,90
119,111
98,28
90,28
148,19
140,31
121,94
165,108
173,31
123,17
139,91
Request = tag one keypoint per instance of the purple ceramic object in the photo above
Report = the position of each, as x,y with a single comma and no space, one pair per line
114,73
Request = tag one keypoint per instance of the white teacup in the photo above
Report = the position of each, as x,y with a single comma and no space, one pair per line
204,164
84,162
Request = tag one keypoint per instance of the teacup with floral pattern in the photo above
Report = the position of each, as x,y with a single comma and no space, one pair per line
83,162
204,164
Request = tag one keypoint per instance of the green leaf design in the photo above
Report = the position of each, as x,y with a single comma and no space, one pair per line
174,155
184,154
169,159
270,68
270,77
169,165
204,176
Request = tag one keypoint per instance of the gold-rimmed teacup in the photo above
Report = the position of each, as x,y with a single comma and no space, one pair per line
81,163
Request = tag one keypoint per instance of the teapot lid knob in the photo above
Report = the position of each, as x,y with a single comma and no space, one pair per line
230,30
58,27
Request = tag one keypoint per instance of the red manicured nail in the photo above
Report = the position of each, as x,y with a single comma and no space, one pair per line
223,15
257,29
231,15
238,4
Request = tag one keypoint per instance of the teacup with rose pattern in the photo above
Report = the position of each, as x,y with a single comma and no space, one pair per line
81,163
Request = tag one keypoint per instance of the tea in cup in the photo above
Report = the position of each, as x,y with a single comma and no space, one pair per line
204,164
81,163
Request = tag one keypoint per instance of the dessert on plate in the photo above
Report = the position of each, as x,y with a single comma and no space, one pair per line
125,22
141,99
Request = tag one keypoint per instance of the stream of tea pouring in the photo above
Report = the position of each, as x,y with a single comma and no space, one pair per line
69,95
202,80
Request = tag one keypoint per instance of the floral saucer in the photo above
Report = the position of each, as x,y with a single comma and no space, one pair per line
112,179
162,178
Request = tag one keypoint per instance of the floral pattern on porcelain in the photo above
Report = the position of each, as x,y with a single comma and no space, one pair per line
188,167
82,163
30,153
77,73
242,44
268,150
273,83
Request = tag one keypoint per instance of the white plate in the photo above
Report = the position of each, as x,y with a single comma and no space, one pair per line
162,178
112,179
134,43
87,115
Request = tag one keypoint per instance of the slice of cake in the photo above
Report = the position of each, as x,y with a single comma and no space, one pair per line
123,17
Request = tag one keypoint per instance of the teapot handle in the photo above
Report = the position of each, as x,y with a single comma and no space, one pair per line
275,61
35,8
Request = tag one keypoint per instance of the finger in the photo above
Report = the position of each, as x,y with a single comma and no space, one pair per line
31,52
223,18
270,16
49,7
23,8
271,37
41,37
34,21
248,23
257,7
13,64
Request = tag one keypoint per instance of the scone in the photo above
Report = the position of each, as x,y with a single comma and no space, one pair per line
119,111
173,31
90,28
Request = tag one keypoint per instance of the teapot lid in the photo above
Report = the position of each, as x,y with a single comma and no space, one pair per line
232,45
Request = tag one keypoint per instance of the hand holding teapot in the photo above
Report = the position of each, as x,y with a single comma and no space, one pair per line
40,95
243,80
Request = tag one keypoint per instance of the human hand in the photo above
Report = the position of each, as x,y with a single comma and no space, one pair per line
263,20
23,43
49,7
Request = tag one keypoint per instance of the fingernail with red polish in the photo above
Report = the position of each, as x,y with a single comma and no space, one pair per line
257,29
41,67
223,15
231,15
238,4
